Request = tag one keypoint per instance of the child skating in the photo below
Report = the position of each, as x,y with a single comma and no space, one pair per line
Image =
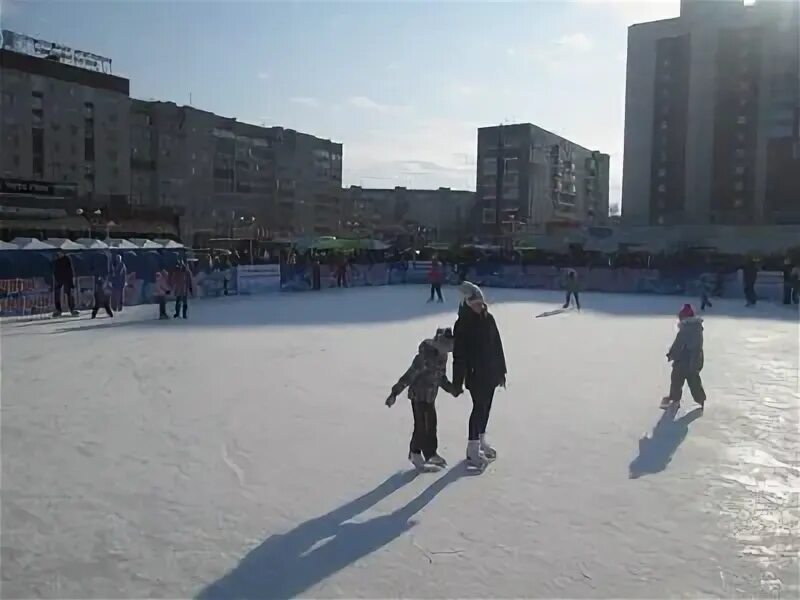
686,355
427,373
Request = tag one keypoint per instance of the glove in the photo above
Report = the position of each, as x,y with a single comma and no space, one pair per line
391,400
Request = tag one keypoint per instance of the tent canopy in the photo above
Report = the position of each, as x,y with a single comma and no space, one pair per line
92,243
64,244
8,246
26,243
145,243
121,244
165,243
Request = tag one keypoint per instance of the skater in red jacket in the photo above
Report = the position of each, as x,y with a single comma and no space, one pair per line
436,277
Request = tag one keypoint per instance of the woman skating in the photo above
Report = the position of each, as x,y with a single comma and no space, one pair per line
480,365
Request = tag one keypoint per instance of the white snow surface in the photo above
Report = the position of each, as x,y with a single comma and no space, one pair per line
247,453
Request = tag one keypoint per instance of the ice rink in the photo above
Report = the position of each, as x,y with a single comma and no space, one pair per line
247,453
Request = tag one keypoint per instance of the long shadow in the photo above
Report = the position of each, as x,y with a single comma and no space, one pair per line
656,451
286,565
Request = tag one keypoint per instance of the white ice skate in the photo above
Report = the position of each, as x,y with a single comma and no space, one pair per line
437,461
489,452
417,460
666,402
475,458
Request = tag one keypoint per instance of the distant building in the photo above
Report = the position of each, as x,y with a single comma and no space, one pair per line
545,179
712,116
233,178
434,215
63,118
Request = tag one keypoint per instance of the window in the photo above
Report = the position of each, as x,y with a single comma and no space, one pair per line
738,186
662,187
741,120
37,118
37,100
489,216
662,172
88,110
8,98
739,170
740,153
738,203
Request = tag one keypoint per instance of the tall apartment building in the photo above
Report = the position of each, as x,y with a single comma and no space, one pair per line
232,177
63,118
712,116
440,215
545,179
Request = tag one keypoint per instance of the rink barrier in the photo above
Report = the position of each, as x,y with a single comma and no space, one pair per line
601,279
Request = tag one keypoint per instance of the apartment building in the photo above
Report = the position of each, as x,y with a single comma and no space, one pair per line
532,178
63,118
712,116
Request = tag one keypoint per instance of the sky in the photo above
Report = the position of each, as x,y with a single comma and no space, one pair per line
403,85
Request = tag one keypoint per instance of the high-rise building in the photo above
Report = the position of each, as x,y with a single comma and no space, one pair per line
63,118
541,178
712,116
231,177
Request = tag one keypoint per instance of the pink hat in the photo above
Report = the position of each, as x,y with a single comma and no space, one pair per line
686,312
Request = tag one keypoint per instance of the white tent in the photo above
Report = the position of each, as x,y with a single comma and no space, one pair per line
64,244
92,243
168,243
145,243
26,243
8,246
121,244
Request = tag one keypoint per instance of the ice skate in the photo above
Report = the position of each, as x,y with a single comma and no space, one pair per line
75,313
475,458
437,461
417,460
666,402
56,313
488,451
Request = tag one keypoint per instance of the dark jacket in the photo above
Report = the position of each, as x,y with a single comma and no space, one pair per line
119,273
181,282
100,288
427,373
62,271
478,359
686,352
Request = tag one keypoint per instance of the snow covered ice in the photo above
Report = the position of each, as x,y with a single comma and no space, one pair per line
247,453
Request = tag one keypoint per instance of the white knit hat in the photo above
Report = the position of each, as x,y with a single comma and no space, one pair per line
471,292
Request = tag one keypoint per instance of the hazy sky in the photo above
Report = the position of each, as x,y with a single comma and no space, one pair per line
404,85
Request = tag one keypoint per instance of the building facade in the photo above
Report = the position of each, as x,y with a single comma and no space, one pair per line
63,119
232,178
712,116
533,178
440,215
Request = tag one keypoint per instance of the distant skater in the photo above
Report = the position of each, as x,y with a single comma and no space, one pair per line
436,276
707,283
572,286
161,293
686,355
101,296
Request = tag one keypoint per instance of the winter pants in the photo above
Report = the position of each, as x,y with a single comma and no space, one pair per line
341,278
162,307
750,294
117,295
424,439
436,288
577,300
101,301
788,293
695,386
705,301
181,301
481,407
67,287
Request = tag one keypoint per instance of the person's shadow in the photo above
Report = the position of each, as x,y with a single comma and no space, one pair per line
286,565
657,449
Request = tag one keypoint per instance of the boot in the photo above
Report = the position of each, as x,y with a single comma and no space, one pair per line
416,460
666,402
487,449
475,458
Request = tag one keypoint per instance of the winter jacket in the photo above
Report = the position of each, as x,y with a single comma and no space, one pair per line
427,373
181,281
100,285
478,359
62,270
162,284
686,352
119,274
436,274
